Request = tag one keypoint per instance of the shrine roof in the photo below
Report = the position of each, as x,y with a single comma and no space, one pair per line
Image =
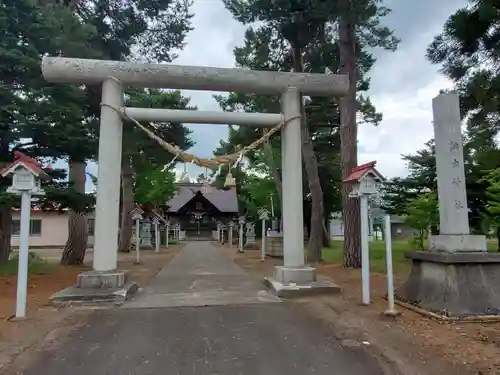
361,170
223,200
29,163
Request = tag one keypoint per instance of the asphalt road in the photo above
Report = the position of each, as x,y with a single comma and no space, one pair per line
229,336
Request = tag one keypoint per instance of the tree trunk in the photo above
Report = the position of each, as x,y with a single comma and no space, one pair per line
315,247
326,234
127,206
498,239
76,245
5,232
268,151
349,136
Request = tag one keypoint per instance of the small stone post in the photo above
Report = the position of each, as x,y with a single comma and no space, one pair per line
137,217
263,215
177,233
218,232
241,222
230,233
223,228
156,224
167,230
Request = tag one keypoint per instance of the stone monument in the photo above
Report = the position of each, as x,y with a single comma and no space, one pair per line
456,277
146,234
250,236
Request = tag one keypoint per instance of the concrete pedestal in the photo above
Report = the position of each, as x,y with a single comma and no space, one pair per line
453,284
96,287
299,281
457,243
274,246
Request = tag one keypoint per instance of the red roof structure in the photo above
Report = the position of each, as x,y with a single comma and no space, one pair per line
361,170
27,162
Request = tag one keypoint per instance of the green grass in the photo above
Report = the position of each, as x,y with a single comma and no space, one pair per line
377,255
35,266
401,265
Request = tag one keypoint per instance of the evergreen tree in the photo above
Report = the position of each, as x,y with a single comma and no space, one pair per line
468,49
302,36
31,31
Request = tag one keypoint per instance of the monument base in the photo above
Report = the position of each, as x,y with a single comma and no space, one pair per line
455,285
298,282
96,287
457,243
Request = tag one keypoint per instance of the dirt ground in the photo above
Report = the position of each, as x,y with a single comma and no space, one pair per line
414,344
45,324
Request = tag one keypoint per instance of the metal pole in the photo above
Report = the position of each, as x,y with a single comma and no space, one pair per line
108,188
365,254
263,242
137,241
391,311
292,210
22,272
230,236
168,228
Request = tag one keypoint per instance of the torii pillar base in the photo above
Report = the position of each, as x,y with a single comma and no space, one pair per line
298,282
96,287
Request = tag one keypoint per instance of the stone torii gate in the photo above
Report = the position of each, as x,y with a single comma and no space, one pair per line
115,75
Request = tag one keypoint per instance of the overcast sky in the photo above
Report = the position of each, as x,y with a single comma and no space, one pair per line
403,82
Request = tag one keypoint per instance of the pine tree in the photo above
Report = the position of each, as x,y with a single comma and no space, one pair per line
302,35
31,31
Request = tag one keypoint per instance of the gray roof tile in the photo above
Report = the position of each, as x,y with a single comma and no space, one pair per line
224,200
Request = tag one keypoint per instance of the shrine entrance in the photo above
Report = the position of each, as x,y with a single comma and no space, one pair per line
198,208
115,75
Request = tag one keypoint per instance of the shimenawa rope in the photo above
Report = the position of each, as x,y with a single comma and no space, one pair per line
202,162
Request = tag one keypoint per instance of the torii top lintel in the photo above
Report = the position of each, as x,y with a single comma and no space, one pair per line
87,71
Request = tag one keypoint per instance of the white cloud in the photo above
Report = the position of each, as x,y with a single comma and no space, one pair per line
406,126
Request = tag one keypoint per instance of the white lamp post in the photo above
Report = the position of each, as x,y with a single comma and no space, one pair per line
365,178
241,222
156,223
263,215
137,217
26,174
